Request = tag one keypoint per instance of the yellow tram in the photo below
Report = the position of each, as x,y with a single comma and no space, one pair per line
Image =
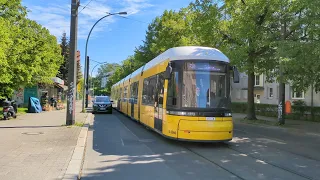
184,94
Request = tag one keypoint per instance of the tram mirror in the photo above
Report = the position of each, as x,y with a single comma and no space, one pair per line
236,75
168,71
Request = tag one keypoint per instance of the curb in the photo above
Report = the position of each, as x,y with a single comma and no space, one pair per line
73,171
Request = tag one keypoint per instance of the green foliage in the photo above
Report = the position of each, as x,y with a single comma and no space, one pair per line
29,54
257,36
65,53
299,107
103,70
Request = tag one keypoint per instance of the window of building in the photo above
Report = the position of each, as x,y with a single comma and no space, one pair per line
297,94
257,80
257,98
270,93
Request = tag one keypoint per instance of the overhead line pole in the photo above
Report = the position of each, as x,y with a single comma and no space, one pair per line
72,75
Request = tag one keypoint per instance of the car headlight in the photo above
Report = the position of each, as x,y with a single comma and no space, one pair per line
227,114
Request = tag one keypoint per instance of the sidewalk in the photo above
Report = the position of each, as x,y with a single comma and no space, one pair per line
308,127
37,146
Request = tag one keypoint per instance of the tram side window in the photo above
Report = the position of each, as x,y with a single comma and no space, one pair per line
149,87
173,89
160,89
120,94
125,94
134,92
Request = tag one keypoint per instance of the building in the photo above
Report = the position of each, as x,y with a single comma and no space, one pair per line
268,93
57,90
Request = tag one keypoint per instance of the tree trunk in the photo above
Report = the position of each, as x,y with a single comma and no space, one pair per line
251,113
311,110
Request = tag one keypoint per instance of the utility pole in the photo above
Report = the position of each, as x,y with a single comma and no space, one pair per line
72,75
282,85
87,80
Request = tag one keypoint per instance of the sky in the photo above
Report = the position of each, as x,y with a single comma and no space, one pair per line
114,38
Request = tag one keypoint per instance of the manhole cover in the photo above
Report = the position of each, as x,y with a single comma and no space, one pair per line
32,133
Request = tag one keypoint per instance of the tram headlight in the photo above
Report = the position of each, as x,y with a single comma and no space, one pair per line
227,114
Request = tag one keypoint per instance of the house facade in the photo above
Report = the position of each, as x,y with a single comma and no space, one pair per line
57,89
268,93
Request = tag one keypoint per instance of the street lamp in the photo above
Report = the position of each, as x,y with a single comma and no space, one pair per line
86,72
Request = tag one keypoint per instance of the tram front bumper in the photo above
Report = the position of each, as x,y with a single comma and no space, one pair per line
205,130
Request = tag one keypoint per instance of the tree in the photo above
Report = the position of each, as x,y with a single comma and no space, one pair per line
257,36
5,43
29,53
65,53
248,35
103,71
301,42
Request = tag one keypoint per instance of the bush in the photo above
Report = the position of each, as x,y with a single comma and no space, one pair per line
239,107
299,110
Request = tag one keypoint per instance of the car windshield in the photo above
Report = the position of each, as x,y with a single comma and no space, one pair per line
102,99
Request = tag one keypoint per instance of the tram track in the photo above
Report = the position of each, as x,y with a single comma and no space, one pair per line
229,170
227,145
213,162
272,164
277,148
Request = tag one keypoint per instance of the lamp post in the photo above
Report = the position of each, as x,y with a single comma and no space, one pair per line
86,73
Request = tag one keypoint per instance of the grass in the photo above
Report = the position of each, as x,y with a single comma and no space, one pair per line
21,111
78,124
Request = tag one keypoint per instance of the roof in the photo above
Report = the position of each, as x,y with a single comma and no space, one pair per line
182,53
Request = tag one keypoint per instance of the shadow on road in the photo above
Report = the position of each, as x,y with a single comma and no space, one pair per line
139,153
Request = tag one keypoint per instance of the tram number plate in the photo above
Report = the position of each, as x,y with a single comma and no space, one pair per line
210,118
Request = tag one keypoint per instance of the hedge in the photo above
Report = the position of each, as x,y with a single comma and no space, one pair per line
300,112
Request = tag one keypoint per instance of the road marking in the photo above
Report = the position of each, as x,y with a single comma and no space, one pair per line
122,142
266,137
313,134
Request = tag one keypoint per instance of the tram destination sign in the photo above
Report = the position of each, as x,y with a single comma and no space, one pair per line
215,67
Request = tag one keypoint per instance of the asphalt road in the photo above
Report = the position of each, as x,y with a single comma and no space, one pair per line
120,148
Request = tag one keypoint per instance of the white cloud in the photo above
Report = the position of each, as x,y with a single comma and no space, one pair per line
135,6
56,17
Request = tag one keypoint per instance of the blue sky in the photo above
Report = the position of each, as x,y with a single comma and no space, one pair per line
114,38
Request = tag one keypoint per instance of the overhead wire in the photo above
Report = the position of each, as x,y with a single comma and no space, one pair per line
88,7
84,6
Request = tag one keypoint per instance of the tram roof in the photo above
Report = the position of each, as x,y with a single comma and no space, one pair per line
181,53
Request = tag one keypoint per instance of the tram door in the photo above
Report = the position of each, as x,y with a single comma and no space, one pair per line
158,111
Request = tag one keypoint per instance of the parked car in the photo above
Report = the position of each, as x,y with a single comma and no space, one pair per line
102,104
